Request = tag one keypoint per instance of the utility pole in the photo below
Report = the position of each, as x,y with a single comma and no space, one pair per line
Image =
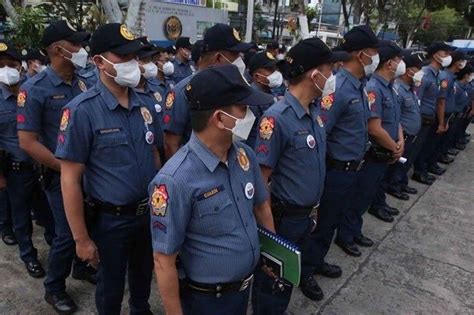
249,28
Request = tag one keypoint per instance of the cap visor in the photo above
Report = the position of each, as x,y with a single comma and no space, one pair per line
11,54
79,37
256,98
240,47
142,54
130,48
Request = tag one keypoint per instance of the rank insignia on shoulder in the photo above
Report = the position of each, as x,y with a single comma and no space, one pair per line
243,159
266,128
170,99
65,119
82,86
326,102
444,84
21,99
159,200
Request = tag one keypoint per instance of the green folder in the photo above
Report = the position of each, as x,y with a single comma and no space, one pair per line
280,254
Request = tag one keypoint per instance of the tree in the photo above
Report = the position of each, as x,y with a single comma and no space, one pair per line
446,24
28,28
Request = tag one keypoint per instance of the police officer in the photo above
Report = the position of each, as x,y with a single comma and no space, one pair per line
273,48
19,171
165,71
182,63
396,177
345,114
428,95
36,62
222,45
463,95
265,76
207,200
386,135
447,91
108,135
39,103
291,151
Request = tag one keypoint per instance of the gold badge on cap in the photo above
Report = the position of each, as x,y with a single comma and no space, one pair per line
72,28
270,56
126,33
24,52
3,47
236,34
188,87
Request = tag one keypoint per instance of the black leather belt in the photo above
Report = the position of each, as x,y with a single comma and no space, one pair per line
349,166
219,288
20,166
135,209
282,209
427,120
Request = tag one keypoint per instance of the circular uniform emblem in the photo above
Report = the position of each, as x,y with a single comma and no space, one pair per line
172,28
249,190
158,97
158,108
24,52
126,33
310,141
3,47
149,137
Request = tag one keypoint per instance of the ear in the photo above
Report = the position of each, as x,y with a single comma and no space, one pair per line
216,119
98,61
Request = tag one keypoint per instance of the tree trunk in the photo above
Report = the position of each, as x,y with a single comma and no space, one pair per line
345,14
112,11
132,16
10,10
303,20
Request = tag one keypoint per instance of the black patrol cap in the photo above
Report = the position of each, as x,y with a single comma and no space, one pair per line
116,38
359,37
414,58
223,85
183,42
171,49
8,49
148,49
458,55
308,54
261,60
62,30
224,37
33,54
273,45
466,70
388,50
196,51
437,46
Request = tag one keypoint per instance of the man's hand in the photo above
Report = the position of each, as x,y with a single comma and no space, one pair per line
442,129
3,182
87,251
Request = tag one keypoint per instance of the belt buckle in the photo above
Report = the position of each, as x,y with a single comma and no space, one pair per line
245,284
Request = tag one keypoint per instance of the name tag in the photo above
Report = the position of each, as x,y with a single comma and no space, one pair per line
58,97
108,130
356,100
210,193
302,132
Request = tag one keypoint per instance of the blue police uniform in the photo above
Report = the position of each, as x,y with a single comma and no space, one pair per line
428,94
90,74
176,118
410,119
383,105
182,70
20,177
346,113
292,143
39,106
116,146
464,96
195,218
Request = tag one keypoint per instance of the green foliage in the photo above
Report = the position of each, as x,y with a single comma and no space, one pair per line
311,14
445,24
74,11
217,4
29,28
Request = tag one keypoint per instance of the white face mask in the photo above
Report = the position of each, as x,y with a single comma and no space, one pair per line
417,77
446,61
9,76
280,56
369,69
151,70
168,68
401,68
462,64
128,73
239,63
275,79
329,85
38,68
242,127
79,58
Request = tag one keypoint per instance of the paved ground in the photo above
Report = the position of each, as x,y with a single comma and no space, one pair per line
421,264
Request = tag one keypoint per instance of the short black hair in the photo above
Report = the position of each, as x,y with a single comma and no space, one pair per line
200,118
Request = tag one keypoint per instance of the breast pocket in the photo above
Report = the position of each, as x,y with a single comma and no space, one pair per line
56,104
110,148
7,116
304,143
213,215
388,110
355,109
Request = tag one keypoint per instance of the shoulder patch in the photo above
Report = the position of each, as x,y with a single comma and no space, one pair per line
326,102
159,200
444,84
371,97
21,99
170,99
65,119
266,127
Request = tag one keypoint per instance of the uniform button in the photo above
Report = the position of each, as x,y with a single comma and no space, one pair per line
218,295
218,288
